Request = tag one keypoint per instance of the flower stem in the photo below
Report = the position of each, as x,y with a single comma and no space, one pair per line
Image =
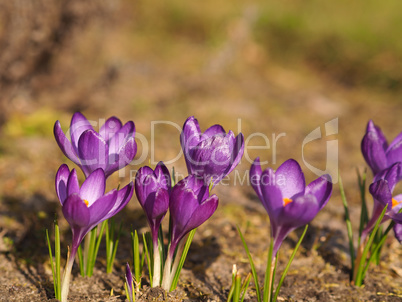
65,286
167,270
269,273
157,265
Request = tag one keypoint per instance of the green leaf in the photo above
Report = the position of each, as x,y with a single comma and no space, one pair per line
253,271
148,256
361,270
348,224
182,259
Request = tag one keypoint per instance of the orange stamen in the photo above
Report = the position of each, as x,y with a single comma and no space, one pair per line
86,202
395,202
286,201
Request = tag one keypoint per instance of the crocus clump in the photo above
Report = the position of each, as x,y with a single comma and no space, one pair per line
289,202
86,206
210,155
111,149
378,154
190,206
152,188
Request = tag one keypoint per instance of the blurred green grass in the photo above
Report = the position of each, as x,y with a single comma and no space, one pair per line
355,43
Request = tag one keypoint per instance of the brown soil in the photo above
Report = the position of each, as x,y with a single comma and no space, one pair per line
109,59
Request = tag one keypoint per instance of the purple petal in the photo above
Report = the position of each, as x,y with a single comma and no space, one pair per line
272,198
398,232
125,155
381,192
182,205
100,209
189,137
321,188
397,140
202,213
110,127
156,208
391,175
255,177
290,179
237,152
163,176
73,186
300,211
79,124
93,152
93,187
211,158
123,197
213,130
129,281
373,148
145,184
394,155
371,127
76,211
120,137
64,144
61,182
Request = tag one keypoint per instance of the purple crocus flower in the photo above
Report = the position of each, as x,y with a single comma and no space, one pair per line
111,149
152,188
289,202
210,155
381,190
190,206
85,207
376,151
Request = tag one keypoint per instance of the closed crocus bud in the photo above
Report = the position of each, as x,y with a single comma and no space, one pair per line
289,203
130,284
376,151
210,155
152,188
111,149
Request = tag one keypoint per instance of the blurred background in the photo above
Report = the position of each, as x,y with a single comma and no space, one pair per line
269,66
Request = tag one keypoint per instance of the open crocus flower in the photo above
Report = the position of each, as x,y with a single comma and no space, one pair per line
289,202
376,151
210,155
111,149
381,190
190,206
85,207
153,190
